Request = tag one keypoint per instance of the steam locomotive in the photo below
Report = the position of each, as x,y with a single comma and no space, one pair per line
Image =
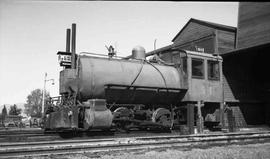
104,92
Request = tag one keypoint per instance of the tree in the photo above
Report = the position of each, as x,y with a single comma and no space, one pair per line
33,104
4,114
4,111
14,110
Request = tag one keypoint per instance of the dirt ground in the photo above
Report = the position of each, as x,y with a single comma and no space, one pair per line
251,151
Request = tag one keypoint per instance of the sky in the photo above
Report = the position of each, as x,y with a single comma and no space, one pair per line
32,32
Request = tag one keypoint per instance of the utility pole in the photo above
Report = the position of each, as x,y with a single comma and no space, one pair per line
44,91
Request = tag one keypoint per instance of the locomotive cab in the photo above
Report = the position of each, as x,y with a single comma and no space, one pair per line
202,74
204,78
204,82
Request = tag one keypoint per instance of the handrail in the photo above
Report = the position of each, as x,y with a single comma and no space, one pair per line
90,53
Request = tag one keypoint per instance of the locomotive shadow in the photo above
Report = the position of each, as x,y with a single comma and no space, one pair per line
110,133
81,134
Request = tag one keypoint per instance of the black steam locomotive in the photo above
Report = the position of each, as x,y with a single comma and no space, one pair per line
101,92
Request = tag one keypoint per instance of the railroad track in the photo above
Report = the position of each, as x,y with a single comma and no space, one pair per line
15,136
29,136
45,148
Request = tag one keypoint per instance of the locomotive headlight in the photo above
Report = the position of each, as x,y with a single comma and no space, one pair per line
59,59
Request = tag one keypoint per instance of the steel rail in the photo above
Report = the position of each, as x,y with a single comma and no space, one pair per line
157,137
118,144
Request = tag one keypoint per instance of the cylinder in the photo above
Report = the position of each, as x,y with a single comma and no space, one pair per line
97,115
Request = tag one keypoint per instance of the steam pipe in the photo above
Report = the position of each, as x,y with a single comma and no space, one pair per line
73,45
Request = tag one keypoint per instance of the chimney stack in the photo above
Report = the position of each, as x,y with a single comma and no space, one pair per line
73,45
68,41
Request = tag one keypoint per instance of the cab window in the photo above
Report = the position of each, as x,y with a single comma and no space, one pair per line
197,68
213,70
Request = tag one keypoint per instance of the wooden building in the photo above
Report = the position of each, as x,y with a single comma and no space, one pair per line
203,36
246,80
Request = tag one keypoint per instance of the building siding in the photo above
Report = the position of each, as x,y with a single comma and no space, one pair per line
212,39
253,24
226,41
192,32
206,43
228,94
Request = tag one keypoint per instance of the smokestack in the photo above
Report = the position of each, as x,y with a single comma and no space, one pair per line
73,45
68,41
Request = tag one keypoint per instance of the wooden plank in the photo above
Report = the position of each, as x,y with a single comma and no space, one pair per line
253,24
193,31
226,41
207,43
